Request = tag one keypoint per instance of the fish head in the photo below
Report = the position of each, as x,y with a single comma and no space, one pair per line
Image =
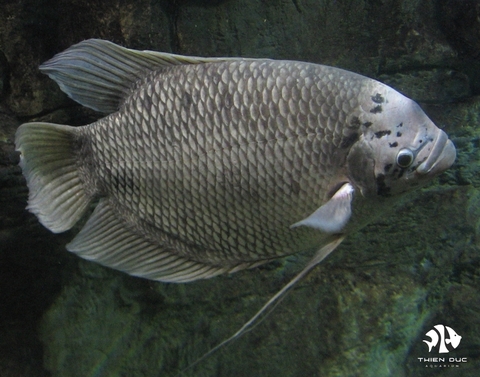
454,338
398,148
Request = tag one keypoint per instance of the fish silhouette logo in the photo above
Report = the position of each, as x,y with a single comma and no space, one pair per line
437,336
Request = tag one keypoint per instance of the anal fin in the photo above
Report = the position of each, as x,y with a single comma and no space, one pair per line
108,240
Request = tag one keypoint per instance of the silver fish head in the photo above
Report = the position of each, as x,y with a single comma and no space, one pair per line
399,147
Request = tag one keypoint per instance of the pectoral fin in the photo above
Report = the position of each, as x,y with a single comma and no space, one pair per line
334,214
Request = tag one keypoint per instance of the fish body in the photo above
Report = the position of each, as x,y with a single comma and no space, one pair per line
212,165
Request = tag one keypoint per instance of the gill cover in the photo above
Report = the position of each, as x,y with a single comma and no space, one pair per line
361,167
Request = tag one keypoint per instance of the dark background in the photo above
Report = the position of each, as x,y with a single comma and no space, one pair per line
364,312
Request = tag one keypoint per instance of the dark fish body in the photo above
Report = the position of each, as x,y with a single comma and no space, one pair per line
206,166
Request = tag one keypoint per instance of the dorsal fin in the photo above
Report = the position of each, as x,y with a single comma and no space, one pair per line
99,74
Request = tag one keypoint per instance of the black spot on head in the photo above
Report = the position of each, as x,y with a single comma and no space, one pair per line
377,109
399,134
348,141
387,167
355,123
380,134
382,188
393,145
367,124
400,125
377,98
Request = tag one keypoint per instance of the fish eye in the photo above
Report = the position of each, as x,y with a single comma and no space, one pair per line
405,158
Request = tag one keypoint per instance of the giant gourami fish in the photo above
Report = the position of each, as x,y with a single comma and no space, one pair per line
207,166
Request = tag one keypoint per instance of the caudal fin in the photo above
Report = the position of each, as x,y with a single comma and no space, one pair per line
56,193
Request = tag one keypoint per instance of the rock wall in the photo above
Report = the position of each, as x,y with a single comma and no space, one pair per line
363,312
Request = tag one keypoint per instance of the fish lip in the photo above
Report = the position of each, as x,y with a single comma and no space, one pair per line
441,157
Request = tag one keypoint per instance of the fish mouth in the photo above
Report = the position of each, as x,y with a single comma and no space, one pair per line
441,157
